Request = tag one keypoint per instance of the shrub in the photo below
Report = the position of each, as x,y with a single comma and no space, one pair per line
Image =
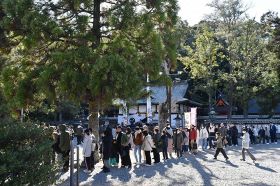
25,154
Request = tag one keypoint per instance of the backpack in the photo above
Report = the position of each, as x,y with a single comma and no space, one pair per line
124,140
138,140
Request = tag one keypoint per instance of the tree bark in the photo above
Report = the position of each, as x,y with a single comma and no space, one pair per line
93,118
163,116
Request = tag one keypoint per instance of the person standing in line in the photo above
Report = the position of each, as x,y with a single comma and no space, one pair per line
87,145
220,146
138,141
211,136
273,132
164,142
228,137
246,144
193,137
262,135
157,143
107,141
119,145
178,142
222,130
234,135
93,148
127,144
148,146
169,133
251,134
203,136
255,131
186,142
267,134
79,134
64,146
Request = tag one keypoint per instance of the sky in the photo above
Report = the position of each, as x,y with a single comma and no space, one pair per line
194,10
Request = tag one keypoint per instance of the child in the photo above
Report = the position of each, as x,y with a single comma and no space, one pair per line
220,148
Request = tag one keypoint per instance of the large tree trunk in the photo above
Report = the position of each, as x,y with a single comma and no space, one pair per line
163,116
93,118
94,124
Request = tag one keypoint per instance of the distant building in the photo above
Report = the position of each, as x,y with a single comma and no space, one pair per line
179,104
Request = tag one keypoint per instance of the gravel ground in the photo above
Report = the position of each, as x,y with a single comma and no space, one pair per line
194,170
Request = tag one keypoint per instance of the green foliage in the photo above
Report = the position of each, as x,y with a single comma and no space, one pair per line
229,53
202,61
69,54
25,154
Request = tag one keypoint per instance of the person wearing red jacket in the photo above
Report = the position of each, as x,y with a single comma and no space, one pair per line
193,137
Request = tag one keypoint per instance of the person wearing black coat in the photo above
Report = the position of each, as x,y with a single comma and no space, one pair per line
262,135
273,132
119,144
107,140
164,142
234,135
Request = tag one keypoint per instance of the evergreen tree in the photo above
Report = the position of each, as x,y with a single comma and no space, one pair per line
89,50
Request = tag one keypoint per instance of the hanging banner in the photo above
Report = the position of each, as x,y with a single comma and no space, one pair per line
149,102
193,116
187,117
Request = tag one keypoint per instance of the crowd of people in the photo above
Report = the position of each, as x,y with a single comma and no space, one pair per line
145,142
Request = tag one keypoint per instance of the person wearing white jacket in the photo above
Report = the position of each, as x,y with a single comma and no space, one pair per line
148,146
203,136
93,146
87,148
246,144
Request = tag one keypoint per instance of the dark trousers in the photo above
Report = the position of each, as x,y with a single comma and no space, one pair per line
164,153
254,139
65,157
234,141
229,141
156,156
211,139
273,138
218,150
88,163
126,157
179,152
148,157
120,156
92,163
262,139
267,139
249,153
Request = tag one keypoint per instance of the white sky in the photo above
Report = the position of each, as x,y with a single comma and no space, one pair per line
194,10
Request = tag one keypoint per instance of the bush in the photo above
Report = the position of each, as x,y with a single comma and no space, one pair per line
25,154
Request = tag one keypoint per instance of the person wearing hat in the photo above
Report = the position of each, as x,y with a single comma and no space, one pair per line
169,134
220,146
245,145
178,142
147,147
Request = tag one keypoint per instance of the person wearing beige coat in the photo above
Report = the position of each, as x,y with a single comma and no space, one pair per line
148,146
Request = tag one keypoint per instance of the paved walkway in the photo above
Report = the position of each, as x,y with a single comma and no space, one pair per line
195,170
